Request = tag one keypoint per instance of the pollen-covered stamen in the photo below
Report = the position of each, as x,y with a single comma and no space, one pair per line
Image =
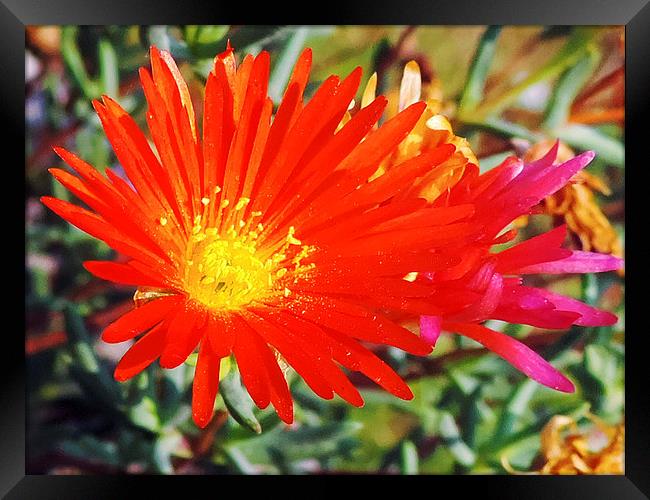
225,269
225,272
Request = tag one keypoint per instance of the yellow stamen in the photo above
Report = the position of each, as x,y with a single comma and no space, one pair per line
225,270
242,203
291,239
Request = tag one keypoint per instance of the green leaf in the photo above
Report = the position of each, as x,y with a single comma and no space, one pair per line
240,461
141,402
520,397
40,281
409,461
163,38
463,381
489,162
601,363
252,38
109,74
145,414
238,402
284,65
471,415
88,448
192,359
567,88
585,138
206,41
163,449
529,436
556,351
379,52
472,92
202,67
565,58
58,191
515,408
504,128
173,386
451,436
74,62
92,376
204,35
92,145
590,288
303,442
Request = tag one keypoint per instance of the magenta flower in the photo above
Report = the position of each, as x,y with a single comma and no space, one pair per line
483,285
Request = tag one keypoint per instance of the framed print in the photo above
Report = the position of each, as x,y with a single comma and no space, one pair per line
384,243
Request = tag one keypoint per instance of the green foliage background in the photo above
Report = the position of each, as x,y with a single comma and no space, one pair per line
505,87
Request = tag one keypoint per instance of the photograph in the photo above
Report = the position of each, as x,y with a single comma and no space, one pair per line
325,249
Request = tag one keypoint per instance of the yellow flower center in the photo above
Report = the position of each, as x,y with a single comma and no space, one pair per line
225,270
227,273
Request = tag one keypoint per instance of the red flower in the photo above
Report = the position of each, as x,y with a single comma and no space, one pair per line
264,237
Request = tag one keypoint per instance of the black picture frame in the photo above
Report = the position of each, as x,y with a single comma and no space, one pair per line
15,15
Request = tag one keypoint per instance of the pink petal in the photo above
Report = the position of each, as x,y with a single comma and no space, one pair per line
540,249
519,355
430,328
482,309
536,181
589,316
544,309
503,175
483,277
577,262
535,168
551,179
525,305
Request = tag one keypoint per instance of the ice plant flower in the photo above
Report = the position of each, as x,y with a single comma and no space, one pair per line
269,237
495,279
431,130
575,203
599,449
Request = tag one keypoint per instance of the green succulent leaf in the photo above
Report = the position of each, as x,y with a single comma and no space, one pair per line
238,402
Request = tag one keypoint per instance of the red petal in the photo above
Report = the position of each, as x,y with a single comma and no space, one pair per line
99,228
144,352
295,356
205,385
381,142
183,335
221,332
356,322
277,384
315,342
124,274
358,358
251,365
77,187
304,187
300,74
140,319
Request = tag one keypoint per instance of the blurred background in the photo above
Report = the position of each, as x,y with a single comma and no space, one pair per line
506,89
